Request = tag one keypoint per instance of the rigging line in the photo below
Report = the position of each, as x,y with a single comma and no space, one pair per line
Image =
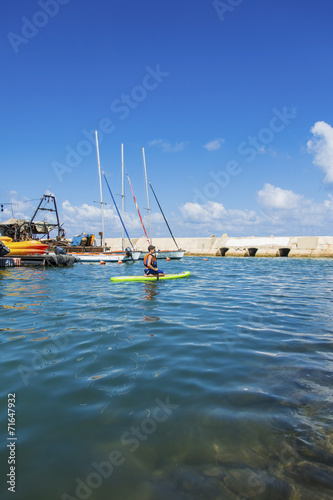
163,214
17,203
115,204
136,206
146,183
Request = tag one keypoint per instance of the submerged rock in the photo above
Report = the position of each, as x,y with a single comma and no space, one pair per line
316,452
312,474
257,484
197,485
213,470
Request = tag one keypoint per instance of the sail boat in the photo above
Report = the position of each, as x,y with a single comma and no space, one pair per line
160,254
124,255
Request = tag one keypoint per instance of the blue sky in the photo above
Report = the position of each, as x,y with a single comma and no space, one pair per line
230,99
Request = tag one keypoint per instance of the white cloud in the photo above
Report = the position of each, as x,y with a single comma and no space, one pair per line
67,208
194,212
48,192
84,212
329,203
155,217
274,197
321,146
214,145
88,218
19,208
215,218
262,150
281,212
167,146
292,213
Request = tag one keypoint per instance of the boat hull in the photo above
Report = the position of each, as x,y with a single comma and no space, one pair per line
105,257
166,254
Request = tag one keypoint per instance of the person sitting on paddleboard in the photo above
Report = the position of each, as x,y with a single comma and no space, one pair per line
150,263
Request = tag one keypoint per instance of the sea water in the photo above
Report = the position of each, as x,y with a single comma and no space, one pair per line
216,386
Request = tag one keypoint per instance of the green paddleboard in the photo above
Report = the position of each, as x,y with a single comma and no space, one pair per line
150,278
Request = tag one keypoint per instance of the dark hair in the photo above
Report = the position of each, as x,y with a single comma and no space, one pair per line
151,247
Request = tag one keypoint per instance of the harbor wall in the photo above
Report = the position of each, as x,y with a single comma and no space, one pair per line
273,246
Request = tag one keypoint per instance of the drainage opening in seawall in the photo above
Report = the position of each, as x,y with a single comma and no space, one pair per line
251,252
283,252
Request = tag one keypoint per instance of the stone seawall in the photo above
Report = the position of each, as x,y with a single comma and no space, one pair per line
274,246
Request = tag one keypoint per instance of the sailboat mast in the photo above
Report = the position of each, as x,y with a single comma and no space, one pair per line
115,204
122,194
136,206
100,187
145,171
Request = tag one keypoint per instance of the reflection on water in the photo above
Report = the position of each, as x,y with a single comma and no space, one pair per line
24,279
22,290
218,387
150,290
150,293
19,284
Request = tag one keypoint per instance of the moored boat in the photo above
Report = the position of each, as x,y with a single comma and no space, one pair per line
106,256
166,254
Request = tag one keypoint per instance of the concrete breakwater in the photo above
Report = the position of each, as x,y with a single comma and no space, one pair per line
225,246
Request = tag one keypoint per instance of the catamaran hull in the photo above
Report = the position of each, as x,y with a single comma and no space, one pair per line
166,254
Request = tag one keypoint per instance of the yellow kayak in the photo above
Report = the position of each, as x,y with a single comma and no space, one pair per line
29,247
